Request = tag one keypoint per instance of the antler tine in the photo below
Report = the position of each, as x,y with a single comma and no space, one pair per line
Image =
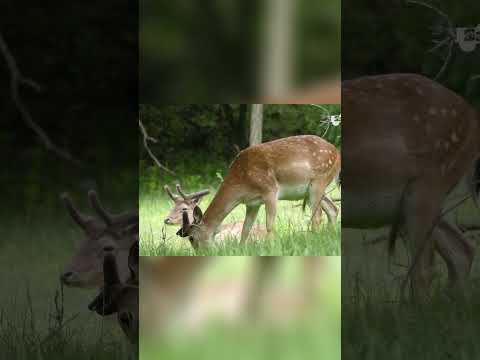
169,192
100,210
72,210
194,195
199,194
179,190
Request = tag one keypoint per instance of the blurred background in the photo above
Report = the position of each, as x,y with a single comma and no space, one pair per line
224,51
411,36
78,63
418,37
240,308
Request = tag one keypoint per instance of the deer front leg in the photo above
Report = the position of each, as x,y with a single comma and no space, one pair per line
250,216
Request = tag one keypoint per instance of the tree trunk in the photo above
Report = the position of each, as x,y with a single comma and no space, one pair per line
256,124
278,47
243,125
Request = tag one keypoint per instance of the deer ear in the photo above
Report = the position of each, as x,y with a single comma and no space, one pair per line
185,229
110,270
133,260
197,215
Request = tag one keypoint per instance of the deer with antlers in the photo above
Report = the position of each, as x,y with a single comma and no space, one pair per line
292,168
187,202
410,142
107,231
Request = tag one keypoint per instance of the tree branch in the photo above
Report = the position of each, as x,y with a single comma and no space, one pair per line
146,139
16,80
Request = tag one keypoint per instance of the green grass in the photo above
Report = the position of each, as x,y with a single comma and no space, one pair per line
292,236
33,252
316,335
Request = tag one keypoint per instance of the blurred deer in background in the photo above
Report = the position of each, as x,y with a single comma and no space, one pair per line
292,168
188,202
410,142
169,284
118,297
118,232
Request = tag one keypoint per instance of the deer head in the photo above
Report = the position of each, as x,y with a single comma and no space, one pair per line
115,232
119,297
183,202
197,234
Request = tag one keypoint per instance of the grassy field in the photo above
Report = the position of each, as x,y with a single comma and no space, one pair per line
376,325
316,335
36,321
292,235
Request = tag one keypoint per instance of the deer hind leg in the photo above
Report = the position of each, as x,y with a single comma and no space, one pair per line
316,194
250,216
422,206
270,210
330,209
456,251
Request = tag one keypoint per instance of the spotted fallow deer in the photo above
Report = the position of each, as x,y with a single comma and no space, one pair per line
409,141
187,202
291,168
120,231
118,297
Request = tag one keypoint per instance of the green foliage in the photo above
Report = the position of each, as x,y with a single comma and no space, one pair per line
190,138
390,37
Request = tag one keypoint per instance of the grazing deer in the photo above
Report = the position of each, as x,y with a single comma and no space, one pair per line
85,268
292,168
410,141
118,297
187,202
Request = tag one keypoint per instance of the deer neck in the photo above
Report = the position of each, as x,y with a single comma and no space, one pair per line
226,199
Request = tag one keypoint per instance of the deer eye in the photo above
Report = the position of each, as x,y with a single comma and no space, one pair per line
184,209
